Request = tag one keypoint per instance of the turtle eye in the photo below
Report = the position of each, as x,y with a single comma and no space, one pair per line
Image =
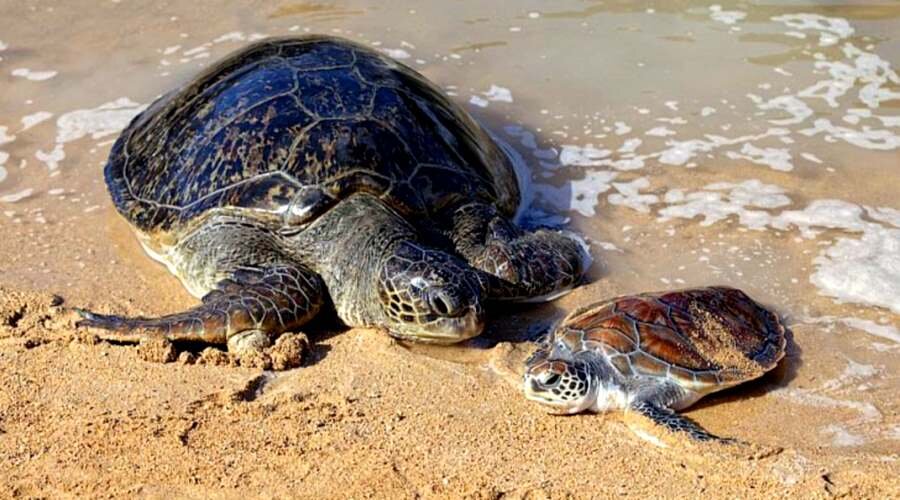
552,380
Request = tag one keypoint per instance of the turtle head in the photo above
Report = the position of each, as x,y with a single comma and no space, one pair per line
556,379
429,296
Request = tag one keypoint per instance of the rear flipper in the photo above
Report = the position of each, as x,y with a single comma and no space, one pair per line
673,422
244,311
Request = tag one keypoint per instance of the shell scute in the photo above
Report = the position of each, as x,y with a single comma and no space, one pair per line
602,318
304,54
705,338
334,93
648,365
317,113
643,309
613,338
667,344
622,364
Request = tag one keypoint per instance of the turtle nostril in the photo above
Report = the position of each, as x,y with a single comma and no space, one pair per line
445,304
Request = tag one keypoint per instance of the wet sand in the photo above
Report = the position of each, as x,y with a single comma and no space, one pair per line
370,417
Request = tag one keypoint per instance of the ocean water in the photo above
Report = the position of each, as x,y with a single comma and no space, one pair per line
753,144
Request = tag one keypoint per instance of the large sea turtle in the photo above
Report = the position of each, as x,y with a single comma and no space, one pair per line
299,170
655,353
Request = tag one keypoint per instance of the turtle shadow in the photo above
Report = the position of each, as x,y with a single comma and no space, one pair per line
519,323
781,376
324,326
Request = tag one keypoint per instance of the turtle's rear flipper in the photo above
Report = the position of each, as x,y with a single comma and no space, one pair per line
670,421
246,308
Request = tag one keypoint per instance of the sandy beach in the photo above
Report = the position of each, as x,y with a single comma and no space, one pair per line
749,145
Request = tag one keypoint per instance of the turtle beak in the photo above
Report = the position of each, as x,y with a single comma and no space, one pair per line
447,330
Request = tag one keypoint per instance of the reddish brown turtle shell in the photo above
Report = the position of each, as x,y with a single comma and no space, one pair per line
702,338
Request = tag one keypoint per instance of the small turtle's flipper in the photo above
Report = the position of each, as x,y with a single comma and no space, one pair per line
672,422
531,265
252,303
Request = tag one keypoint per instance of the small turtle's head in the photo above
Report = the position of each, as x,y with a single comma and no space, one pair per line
430,296
559,381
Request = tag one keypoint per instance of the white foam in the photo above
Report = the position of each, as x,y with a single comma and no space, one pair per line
855,371
714,205
497,93
867,411
753,193
104,120
4,156
5,138
630,145
16,197
198,51
3,46
629,195
826,213
528,140
99,122
478,101
239,36
865,270
840,436
832,29
51,158
725,16
396,53
680,152
790,104
660,132
32,75
776,158
811,157
579,195
867,138
33,119
582,156
621,128
885,214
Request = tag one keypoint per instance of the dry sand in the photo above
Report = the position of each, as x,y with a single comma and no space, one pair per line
367,417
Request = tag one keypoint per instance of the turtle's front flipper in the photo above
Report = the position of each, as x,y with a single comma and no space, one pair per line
531,265
244,310
672,422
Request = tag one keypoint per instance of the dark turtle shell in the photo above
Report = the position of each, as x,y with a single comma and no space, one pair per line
702,338
286,127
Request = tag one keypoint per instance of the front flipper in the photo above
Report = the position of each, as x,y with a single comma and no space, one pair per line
671,421
245,311
531,265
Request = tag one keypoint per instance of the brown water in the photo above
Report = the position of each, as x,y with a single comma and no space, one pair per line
750,144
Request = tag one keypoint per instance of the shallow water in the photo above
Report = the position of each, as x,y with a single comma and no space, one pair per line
750,144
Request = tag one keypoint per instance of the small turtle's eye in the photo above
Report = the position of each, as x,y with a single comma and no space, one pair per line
552,380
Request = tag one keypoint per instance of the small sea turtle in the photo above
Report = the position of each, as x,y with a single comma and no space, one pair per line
299,170
655,353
